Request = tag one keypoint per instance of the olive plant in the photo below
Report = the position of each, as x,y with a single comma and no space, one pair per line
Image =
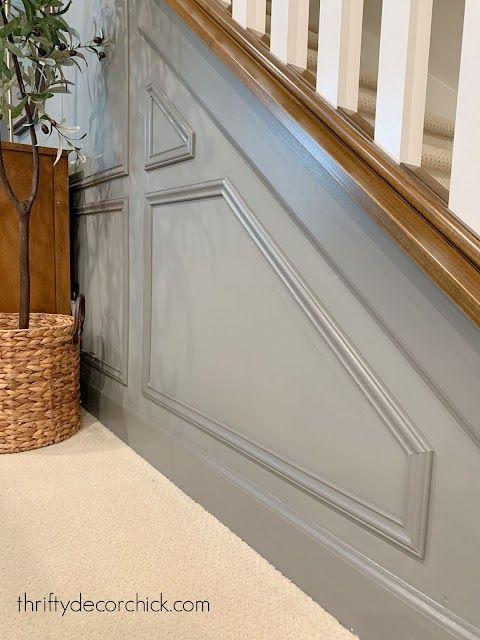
37,45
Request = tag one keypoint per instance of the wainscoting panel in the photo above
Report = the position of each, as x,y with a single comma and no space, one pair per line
201,270
102,239
101,105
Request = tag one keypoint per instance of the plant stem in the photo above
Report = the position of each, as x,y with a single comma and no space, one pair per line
24,207
24,264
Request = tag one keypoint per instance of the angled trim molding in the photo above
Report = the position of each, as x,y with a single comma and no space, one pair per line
118,171
406,530
116,205
185,150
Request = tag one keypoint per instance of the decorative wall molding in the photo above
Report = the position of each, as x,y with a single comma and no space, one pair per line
125,419
471,428
118,171
406,530
440,615
121,169
185,150
116,205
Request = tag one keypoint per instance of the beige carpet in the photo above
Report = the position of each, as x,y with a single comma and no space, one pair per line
90,516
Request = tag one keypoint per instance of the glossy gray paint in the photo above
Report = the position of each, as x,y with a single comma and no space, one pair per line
408,529
312,257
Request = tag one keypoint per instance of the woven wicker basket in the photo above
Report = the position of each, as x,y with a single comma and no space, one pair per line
39,381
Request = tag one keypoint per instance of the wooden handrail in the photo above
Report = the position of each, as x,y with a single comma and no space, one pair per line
408,210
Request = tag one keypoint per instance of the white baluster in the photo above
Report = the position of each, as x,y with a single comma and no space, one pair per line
289,32
402,78
339,48
466,159
250,14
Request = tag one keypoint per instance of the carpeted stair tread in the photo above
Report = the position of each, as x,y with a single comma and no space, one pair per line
440,176
437,152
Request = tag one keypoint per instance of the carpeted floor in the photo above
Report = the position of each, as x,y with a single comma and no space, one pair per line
91,516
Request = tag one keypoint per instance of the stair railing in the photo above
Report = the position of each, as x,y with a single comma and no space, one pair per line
402,76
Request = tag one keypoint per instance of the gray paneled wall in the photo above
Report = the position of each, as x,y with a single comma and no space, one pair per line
102,103
254,336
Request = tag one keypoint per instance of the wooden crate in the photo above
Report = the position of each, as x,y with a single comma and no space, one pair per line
49,232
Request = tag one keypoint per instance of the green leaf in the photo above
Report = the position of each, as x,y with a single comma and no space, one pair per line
40,97
14,49
64,10
29,9
59,89
10,28
17,109
63,81
5,71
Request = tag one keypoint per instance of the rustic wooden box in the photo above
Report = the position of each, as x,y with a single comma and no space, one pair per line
49,232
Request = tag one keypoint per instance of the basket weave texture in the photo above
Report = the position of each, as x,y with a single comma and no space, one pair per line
39,381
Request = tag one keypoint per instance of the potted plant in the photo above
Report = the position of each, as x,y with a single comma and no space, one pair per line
39,353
